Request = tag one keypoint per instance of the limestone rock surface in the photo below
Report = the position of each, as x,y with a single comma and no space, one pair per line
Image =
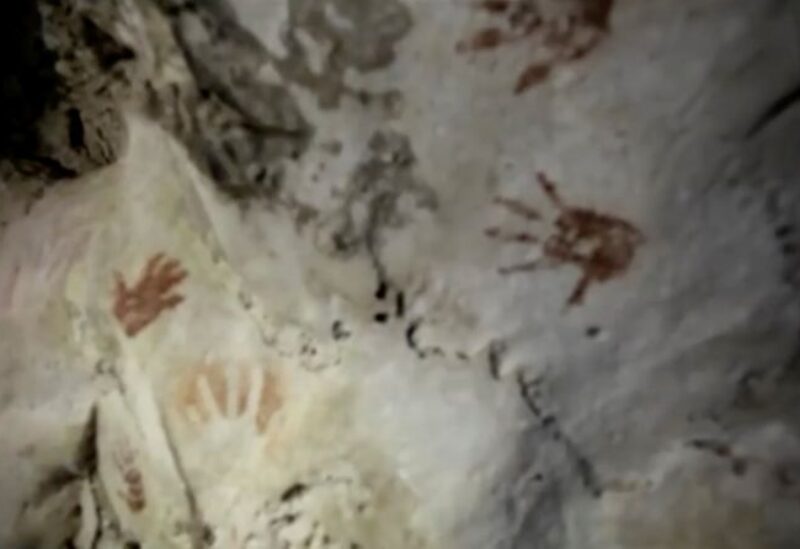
400,274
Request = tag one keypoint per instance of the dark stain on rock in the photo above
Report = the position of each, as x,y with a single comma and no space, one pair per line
720,449
76,130
557,31
241,130
107,49
52,68
593,332
294,491
85,460
29,80
775,111
543,525
55,481
496,356
787,475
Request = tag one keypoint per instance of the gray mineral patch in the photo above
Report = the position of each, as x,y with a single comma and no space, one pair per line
371,200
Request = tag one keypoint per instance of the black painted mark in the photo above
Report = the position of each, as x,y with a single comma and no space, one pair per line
339,331
382,290
593,332
381,318
413,344
529,390
411,332
400,304
287,518
294,491
497,351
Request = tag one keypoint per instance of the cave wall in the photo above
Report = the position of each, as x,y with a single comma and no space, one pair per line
401,274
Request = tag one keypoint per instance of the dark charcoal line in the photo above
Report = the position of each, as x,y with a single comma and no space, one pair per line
549,424
411,332
585,468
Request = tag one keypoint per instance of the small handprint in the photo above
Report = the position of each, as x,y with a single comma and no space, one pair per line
135,308
133,494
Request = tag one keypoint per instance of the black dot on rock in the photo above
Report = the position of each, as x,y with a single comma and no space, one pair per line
739,467
782,231
381,317
593,332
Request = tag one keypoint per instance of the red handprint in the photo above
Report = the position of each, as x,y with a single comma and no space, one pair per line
135,308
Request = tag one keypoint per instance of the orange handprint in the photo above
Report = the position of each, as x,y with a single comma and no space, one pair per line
135,308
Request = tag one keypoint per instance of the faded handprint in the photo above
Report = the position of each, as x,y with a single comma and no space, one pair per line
229,402
557,31
137,307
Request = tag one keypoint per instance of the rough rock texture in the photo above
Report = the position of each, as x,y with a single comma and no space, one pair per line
69,71
400,274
